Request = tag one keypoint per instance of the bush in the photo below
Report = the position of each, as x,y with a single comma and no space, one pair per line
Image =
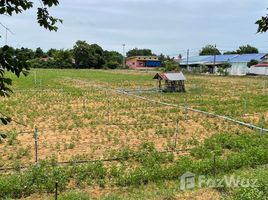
249,194
171,66
74,195
112,65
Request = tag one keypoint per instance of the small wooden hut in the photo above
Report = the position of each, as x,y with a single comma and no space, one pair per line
173,81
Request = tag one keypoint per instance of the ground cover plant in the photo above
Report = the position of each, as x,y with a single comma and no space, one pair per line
79,117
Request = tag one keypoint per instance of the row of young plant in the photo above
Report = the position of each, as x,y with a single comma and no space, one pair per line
146,165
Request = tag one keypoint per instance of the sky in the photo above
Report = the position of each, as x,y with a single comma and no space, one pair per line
165,26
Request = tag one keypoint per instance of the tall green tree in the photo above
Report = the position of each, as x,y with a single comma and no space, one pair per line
113,56
209,50
88,56
246,49
39,53
63,58
139,52
8,60
82,53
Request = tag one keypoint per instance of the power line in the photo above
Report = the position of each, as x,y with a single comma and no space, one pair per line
7,30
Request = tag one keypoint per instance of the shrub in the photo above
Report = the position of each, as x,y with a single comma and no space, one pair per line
74,195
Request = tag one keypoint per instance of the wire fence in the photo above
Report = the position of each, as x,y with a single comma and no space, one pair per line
36,141
130,93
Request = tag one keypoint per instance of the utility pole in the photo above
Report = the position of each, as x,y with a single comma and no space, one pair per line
187,60
214,61
124,61
7,30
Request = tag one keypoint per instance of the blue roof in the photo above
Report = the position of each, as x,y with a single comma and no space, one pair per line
248,57
222,58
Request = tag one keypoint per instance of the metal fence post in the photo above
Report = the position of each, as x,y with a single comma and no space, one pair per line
56,190
36,144
214,166
176,135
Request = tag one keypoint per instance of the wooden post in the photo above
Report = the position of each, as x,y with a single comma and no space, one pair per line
56,190
36,144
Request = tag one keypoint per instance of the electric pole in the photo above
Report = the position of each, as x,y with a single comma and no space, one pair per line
214,61
124,61
187,60
7,30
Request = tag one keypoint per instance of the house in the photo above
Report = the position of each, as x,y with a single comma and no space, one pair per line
143,62
173,81
213,62
259,69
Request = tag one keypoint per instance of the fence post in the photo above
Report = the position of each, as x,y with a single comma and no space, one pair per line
56,190
176,135
214,166
108,110
36,144
245,106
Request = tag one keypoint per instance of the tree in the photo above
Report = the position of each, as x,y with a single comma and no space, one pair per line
171,65
113,56
262,24
51,52
140,52
230,52
8,60
252,62
87,55
39,53
63,59
82,53
222,70
246,49
25,54
209,50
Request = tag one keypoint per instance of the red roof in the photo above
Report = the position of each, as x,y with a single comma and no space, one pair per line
264,64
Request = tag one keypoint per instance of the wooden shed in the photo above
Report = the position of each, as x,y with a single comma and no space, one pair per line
173,81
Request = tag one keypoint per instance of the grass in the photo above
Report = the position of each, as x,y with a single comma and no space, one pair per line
74,116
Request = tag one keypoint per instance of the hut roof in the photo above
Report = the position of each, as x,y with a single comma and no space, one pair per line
170,76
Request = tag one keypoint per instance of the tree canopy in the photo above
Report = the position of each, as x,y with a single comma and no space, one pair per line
262,24
209,50
87,56
247,49
244,49
139,52
11,62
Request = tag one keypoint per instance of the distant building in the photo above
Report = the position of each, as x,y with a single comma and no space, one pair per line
238,62
143,62
173,81
261,68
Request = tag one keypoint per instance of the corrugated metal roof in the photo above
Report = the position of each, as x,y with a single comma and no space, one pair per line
264,64
171,76
248,57
232,58
195,59
221,58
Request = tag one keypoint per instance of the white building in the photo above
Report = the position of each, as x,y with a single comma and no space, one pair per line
238,62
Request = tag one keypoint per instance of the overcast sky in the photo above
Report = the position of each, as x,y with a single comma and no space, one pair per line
165,26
